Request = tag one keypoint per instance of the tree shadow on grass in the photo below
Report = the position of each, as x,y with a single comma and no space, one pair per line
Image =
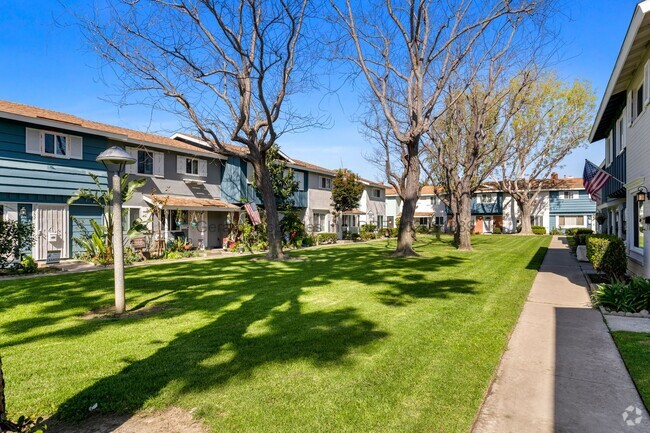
256,317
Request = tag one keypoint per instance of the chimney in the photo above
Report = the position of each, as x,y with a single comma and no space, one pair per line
554,176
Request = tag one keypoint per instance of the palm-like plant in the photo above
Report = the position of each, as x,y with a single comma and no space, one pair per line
99,243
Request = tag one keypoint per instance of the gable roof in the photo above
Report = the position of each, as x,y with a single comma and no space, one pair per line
562,183
54,119
628,61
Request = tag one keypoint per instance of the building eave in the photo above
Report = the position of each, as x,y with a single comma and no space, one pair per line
631,52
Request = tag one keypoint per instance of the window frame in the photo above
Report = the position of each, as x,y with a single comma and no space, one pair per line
638,240
150,155
327,181
55,134
194,164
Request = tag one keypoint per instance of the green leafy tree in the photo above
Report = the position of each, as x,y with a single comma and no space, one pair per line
103,198
284,184
14,237
346,191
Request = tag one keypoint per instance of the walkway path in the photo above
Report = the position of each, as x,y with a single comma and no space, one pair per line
562,371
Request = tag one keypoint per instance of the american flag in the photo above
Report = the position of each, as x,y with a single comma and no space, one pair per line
594,179
253,213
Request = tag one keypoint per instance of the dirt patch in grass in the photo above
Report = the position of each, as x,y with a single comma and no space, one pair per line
109,313
171,420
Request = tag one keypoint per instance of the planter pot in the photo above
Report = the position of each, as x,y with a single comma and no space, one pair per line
581,253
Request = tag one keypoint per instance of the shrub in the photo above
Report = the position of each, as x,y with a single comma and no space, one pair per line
497,230
366,236
628,297
583,231
308,241
326,238
422,229
14,237
606,253
369,228
580,239
28,265
393,232
555,231
539,230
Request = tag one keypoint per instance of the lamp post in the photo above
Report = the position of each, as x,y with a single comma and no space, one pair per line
115,159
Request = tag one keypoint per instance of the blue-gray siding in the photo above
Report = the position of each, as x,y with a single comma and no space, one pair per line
83,214
618,170
30,177
581,206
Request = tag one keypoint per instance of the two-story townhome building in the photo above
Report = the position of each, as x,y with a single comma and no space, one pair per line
623,124
191,191
562,203
429,209
46,156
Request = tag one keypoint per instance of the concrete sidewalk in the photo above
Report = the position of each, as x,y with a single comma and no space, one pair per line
562,371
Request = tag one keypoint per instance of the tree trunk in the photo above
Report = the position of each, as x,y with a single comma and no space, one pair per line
410,192
273,232
526,211
3,405
464,228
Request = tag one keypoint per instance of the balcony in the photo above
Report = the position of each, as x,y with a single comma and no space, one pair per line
299,197
613,188
494,208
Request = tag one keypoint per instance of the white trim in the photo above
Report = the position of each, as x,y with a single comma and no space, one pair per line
639,13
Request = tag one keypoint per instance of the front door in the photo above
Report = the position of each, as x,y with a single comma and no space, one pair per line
51,224
488,224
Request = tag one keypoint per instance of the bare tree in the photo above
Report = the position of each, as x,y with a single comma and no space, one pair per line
226,66
407,51
470,140
554,121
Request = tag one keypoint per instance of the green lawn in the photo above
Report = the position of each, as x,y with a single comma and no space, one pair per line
635,350
347,339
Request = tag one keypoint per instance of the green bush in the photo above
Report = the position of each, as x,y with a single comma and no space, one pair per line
539,230
580,239
368,228
14,238
393,232
627,297
583,231
366,236
308,241
497,230
28,265
422,229
555,231
326,238
606,253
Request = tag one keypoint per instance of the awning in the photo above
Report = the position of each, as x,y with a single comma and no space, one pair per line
354,212
420,214
189,203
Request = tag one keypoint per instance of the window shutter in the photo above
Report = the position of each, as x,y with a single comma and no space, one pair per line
76,147
158,164
32,140
132,168
630,103
646,82
203,168
180,164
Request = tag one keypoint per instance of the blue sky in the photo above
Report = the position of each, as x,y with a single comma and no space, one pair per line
47,64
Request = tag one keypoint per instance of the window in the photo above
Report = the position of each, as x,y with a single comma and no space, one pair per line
326,183
250,173
320,222
635,104
191,166
55,144
423,221
621,135
299,176
572,220
440,221
537,220
380,222
639,101
638,223
435,200
487,198
376,193
569,195
145,162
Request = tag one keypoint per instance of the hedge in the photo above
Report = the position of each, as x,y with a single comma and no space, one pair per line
539,230
606,253
326,238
